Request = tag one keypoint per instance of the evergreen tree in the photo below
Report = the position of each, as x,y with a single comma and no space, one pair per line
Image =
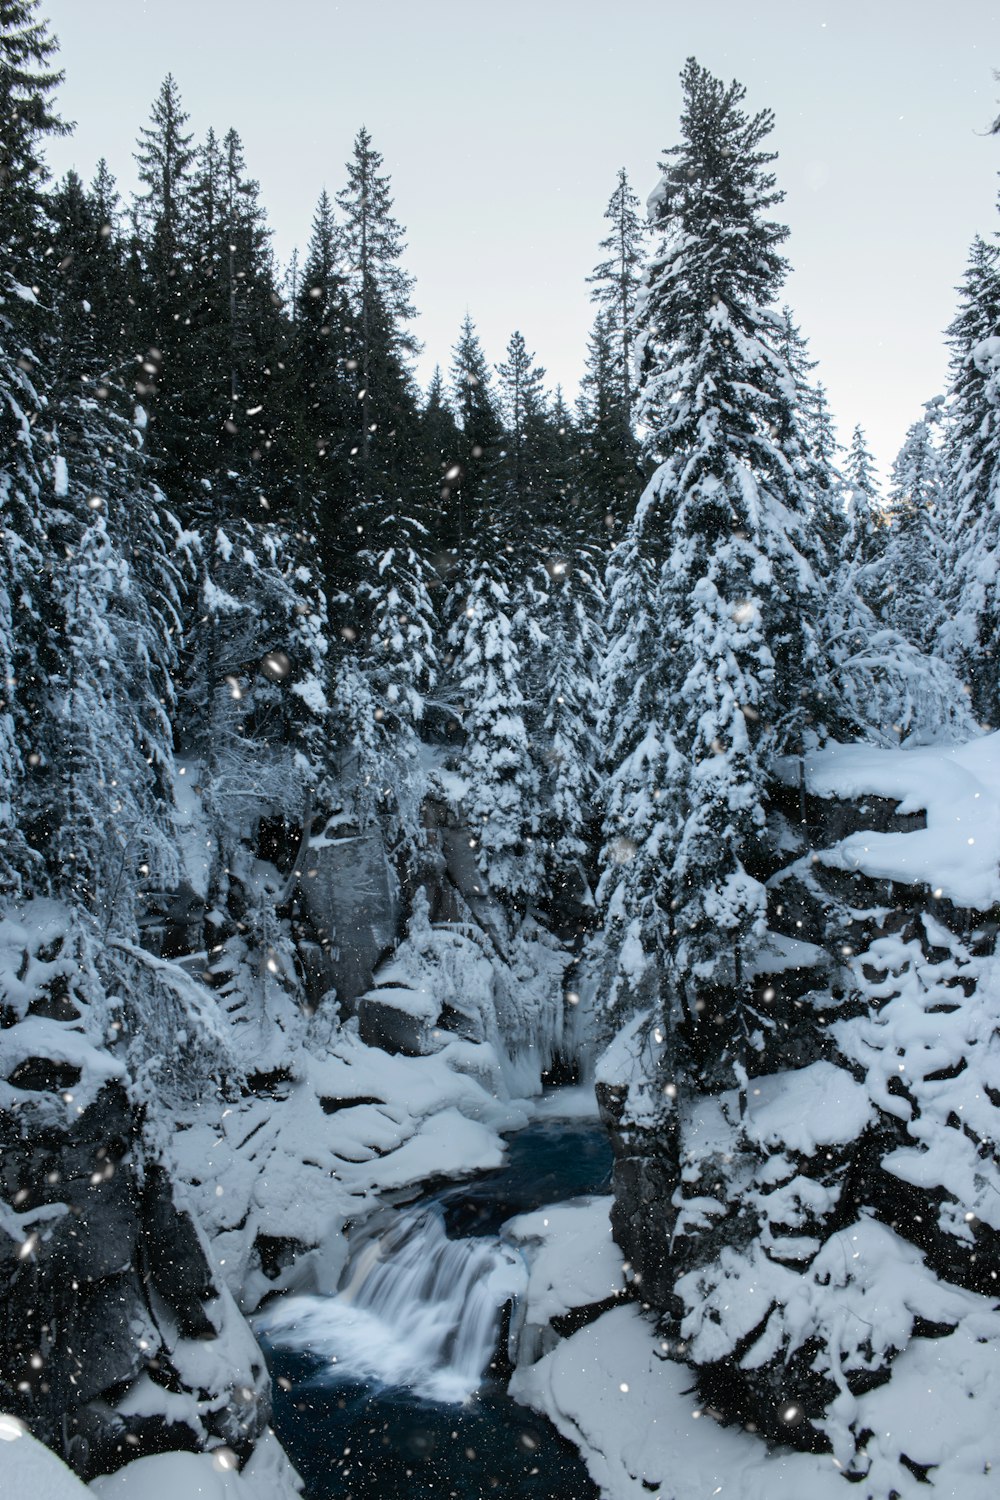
911,565
528,431
570,662
970,636
481,428
101,804
27,117
440,444
217,411
381,296
489,638
616,284
28,466
716,553
398,659
608,468
860,474
816,453
160,266
323,387
165,158
90,291
861,544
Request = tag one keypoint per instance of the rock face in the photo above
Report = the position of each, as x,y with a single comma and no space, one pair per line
116,1330
352,896
118,1338
857,1165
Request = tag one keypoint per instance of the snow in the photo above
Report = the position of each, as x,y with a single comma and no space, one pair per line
29,1471
820,1105
779,954
290,1170
572,1259
572,1103
38,1036
201,1476
610,1390
195,843
958,786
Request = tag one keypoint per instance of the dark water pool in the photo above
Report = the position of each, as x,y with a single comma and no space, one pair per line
361,1441
546,1162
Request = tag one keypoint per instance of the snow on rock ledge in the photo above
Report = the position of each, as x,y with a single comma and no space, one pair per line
958,786
640,1430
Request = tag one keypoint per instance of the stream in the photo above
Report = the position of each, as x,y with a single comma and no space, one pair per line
391,1387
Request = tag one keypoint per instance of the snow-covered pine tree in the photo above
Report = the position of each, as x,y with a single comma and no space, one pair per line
815,456
27,118
569,661
884,686
971,635
399,661
717,557
862,499
489,636
910,569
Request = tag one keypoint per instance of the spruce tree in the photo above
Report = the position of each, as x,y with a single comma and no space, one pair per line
716,555
440,444
969,638
381,297
323,392
616,281
525,470
27,117
28,465
911,567
860,473
216,412
490,639
165,158
161,319
481,426
608,468
570,661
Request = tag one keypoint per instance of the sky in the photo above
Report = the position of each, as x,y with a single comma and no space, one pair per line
503,126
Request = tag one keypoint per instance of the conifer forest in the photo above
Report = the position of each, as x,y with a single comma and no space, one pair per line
499,891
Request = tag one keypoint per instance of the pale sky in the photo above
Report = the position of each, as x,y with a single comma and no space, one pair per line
503,127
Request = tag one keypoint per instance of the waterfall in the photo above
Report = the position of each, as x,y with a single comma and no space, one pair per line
414,1308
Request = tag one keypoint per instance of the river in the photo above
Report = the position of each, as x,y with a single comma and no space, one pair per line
395,1386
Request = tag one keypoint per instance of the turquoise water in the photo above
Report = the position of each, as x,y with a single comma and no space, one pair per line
357,1440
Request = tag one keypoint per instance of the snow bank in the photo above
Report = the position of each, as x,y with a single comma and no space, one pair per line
609,1390
640,1428
28,1471
200,1476
958,786
572,1259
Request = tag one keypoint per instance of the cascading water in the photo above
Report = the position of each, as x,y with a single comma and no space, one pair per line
414,1308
